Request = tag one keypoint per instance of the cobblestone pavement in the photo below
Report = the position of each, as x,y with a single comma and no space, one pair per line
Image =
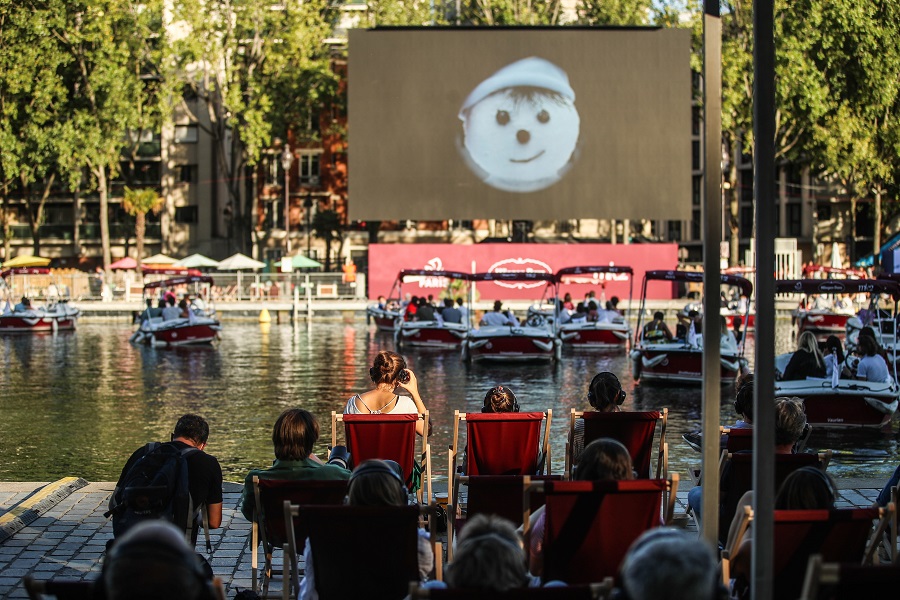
68,540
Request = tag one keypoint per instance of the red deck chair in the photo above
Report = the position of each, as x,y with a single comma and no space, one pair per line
736,478
842,535
501,495
344,540
269,526
594,591
634,429
834,581
386,437
739,440
591,524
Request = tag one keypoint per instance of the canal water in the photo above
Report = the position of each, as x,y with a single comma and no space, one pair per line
79,403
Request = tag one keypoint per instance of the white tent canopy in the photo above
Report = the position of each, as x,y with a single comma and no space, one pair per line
160,259
198,261
240,262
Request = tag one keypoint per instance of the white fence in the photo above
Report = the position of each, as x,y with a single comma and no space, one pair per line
227,286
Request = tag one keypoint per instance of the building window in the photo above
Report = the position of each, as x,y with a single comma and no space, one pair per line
697,187
695,120
186,134
186,173
823,211
272,171
309,166
747,185
695,155
673,231
147,173
695,224
794,219
186,215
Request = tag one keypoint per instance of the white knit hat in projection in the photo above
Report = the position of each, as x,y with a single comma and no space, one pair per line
520,126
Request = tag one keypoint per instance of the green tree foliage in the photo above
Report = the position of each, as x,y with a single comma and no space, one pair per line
399,12
255,69
511,12
614,12
32,111
138,203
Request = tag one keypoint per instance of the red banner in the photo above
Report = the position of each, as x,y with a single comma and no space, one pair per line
387,260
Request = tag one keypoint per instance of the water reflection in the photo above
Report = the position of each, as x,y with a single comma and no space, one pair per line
79,403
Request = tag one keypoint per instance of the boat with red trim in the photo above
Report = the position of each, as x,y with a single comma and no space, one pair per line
533,340
610,328
57,315
826,313
681,359
199,327
836,402
435,332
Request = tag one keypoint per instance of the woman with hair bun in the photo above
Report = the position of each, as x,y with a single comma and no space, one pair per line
396,390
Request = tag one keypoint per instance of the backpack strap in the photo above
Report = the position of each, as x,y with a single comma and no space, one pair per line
189,526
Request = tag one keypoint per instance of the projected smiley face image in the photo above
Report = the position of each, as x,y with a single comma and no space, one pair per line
521,127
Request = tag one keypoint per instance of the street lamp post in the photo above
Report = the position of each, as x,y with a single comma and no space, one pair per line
286,160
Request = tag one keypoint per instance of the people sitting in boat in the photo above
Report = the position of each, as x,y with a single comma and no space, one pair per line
567,302
382,304
605,394
198,305
461,307
170,312
657,330
833,353
424,311
737,322
807,361
592,306
183,311
688,317
613,305
412,307
498,317
23,306
871,366
580,314
563,315
450,314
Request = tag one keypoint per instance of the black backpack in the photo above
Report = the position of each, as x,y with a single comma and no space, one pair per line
155,487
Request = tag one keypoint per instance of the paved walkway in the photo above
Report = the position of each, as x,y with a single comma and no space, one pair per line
66,537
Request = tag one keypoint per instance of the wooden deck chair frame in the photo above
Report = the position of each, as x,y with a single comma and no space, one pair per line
597,591
892,533
453,480
426,454
820,573
885,516
258,535
667,499
290,578
63,589
453,510
662,459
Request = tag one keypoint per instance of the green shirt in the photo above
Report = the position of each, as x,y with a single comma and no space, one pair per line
291,470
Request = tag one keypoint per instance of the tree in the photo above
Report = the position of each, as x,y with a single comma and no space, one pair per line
326,225
32,111
138,203
103,83
614,12
254,69
511,12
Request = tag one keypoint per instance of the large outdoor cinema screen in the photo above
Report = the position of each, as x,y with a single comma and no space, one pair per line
520,123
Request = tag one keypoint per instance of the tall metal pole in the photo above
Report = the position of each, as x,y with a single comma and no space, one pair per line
764,201
286,160
712,238
308,206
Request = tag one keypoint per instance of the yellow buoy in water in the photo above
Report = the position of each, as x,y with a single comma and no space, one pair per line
264,316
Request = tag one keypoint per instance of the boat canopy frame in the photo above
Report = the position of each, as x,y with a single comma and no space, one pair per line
183,280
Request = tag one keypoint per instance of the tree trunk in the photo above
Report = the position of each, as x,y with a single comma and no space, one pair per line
876,250
851,247
327,253
140,225
100,173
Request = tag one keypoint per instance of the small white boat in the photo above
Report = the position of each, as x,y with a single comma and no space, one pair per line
610,330
57,315
191,330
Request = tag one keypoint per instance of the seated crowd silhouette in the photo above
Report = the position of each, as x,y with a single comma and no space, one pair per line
364,523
